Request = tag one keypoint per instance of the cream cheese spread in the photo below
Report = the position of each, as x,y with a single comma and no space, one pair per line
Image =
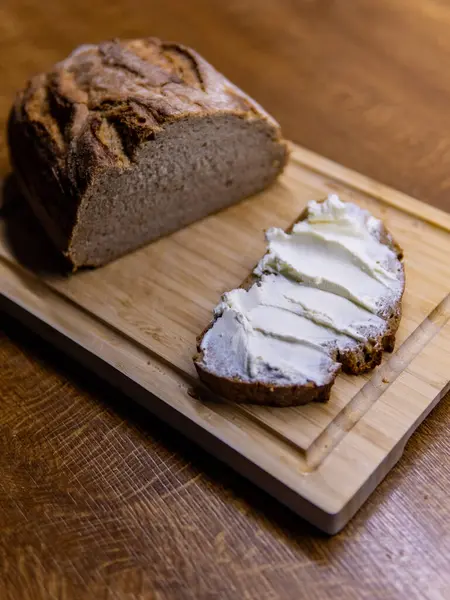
323,287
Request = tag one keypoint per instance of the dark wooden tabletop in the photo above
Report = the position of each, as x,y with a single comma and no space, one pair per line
100,500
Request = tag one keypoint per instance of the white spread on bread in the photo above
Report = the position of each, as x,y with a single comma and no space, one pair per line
322,288
336,249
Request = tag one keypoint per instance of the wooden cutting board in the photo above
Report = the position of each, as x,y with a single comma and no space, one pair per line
134,322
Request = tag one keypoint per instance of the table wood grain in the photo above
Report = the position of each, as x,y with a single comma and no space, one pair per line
100,500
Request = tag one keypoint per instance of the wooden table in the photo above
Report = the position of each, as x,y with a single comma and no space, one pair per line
100,500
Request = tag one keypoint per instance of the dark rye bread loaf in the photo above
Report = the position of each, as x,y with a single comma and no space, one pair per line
126,141
362,356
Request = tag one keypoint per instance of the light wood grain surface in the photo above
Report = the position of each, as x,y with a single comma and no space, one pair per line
127,323
98,499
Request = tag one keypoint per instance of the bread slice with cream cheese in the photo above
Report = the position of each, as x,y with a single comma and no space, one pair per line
326,296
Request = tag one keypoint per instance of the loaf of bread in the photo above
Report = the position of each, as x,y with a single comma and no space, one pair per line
326,295
126,141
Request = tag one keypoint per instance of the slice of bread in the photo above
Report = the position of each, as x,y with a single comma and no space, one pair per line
326,295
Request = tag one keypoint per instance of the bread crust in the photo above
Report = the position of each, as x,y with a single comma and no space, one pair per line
364,358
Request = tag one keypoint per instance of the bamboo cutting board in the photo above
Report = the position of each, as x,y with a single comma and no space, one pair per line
134,322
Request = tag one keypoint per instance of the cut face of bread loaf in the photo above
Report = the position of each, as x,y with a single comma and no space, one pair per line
326,295
124,142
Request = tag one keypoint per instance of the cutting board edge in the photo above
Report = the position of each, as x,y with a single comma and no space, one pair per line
379,191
